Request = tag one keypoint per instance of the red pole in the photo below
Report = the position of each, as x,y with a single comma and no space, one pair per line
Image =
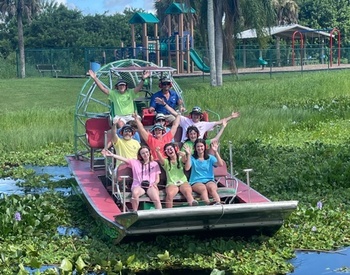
301,47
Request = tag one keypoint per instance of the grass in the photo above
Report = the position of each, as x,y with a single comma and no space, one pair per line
269,107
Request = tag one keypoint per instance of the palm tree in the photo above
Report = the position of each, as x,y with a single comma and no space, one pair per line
20,9
211,39
286,13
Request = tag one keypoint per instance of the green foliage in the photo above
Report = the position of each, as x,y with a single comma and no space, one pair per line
326,14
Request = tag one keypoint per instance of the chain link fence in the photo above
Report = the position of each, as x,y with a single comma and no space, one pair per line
75,62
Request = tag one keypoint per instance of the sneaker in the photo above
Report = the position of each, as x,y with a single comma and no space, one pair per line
194,203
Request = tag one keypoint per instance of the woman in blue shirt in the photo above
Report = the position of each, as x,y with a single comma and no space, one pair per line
202,169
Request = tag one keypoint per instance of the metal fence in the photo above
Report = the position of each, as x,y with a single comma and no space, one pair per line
77,61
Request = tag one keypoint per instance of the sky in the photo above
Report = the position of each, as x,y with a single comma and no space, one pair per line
111,6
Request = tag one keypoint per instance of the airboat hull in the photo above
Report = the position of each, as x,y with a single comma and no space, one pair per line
258,214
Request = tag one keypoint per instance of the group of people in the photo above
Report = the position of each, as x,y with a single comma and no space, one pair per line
188,167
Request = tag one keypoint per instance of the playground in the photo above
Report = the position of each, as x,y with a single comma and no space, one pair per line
303,49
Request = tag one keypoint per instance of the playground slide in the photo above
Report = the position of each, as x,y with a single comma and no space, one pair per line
198,61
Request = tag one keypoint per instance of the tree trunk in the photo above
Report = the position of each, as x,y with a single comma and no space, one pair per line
21,38
278,51
219,41
211,37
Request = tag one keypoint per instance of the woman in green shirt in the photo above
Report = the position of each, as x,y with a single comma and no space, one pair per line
176,179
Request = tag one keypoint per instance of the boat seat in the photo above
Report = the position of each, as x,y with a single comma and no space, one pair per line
95,129
225,179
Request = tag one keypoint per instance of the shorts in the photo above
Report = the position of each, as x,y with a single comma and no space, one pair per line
124,119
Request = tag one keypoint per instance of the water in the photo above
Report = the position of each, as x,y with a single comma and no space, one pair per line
319,263
8,186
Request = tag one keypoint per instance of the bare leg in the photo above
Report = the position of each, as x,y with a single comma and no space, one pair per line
200,188
171,191
186,190
153,193
136,193
213,190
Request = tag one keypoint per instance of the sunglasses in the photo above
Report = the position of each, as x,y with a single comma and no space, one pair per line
160,119
166,83
127,131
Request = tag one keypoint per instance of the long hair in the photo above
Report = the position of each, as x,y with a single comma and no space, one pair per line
176,149
189,129
195,154
140,159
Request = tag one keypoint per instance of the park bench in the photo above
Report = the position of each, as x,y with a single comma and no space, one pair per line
51,68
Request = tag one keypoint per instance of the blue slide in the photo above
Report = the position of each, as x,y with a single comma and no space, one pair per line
198,61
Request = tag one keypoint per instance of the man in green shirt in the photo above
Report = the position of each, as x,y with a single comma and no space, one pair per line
122,99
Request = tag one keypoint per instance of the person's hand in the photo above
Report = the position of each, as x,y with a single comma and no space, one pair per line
107,153
159,100
115,122
92,74
158,149
234,114
214,145
187,149
182,109
146,74
135,116
151,109
181,154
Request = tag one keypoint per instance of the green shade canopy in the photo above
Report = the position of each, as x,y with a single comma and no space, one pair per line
178,8
141,17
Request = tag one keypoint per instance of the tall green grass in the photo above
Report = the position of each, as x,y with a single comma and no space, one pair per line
282,109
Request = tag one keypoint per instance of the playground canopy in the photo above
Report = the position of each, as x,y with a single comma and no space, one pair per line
285,32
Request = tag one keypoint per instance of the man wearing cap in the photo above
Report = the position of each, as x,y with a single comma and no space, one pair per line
126,146
195,120
169,97
122,99
157,136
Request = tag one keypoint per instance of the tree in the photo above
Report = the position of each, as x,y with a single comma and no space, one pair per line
20,9
211,39
286,13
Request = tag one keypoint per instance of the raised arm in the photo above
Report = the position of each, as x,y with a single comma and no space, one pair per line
218,135
99,84
142,131
161,159
214,146
180,104
188,152
176,124
162,102
108,153
114,132
145,75
233,115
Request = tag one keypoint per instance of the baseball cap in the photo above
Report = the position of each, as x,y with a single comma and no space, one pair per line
157,126
165,79
160,116
127,127
121,82
197,110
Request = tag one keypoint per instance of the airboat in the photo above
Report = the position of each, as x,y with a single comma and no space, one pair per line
109,197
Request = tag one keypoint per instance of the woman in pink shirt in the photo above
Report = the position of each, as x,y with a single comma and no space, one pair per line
146,176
